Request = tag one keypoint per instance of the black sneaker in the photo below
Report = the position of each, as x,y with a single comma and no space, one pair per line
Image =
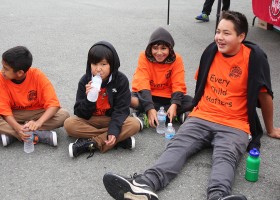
82,145
183,117
121,188
234,197
230,197
128,143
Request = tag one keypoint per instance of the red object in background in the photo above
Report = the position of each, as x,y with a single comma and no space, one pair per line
267,10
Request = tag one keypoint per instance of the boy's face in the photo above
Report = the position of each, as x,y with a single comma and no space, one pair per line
160,52
226,38
8,72
103,68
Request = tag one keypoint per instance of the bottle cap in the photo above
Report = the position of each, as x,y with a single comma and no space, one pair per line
169,124
254,152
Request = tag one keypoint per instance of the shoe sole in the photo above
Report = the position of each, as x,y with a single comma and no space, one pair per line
121,189
132,142
4,140
71,150
54,137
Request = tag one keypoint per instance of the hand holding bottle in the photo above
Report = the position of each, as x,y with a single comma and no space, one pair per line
96,81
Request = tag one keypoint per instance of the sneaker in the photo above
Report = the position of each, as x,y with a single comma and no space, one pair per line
82,145
128,188
202,17
46,137
183,117
7,139
234,197
128,143
230,197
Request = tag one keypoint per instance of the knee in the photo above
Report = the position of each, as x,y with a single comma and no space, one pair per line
69,125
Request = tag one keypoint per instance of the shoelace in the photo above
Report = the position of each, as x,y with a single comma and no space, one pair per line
91,151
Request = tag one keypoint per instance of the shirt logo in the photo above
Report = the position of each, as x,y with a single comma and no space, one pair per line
168,75
235,72
32,95
114,90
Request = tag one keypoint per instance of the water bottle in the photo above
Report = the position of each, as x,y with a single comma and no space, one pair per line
169,133
94,91
28,144
253,165
161,115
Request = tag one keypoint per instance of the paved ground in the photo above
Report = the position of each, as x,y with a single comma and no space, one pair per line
59,34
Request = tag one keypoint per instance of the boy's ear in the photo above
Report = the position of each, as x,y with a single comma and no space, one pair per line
20,73
242,37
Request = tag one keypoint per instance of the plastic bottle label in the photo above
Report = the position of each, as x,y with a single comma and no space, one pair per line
162,117
169,136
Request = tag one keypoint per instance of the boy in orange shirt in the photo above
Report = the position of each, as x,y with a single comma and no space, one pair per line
28,101
159,80
233,79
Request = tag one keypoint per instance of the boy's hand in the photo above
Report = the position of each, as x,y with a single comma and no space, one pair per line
152,117
88,87
275,133
22,134
32,125
172,112
111,140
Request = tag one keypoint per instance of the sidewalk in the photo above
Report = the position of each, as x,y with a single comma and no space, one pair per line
59,34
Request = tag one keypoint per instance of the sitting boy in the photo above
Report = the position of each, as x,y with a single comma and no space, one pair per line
28,101
103,123
159,80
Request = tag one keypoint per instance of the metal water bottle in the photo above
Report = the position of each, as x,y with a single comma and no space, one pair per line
253,165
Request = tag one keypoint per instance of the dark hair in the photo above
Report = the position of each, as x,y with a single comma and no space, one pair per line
238,19
99,52
18,58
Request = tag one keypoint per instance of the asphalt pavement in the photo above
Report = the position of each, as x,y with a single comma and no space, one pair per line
59,33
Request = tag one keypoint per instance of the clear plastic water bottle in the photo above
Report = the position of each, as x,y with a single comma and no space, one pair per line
28,144
94,91
169,133
253,165
161,115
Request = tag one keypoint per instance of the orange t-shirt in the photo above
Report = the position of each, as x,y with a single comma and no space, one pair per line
35,92
102,103
161,79
225,96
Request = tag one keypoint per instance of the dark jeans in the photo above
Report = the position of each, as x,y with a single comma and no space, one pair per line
207,7
186,104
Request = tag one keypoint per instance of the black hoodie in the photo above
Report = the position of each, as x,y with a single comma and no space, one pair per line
118,92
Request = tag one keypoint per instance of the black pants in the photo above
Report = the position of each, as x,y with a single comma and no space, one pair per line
207,7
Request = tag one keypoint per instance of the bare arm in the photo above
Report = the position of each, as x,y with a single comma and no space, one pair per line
17,127
267,112
35,125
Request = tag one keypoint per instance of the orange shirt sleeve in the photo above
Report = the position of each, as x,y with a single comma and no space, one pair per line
47,91
178,76
141,77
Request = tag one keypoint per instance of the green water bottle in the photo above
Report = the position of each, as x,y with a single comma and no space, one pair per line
253,165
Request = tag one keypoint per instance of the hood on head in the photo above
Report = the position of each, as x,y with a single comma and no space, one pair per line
114,64
161,35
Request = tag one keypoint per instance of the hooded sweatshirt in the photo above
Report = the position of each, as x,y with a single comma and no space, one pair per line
117,89
166,79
